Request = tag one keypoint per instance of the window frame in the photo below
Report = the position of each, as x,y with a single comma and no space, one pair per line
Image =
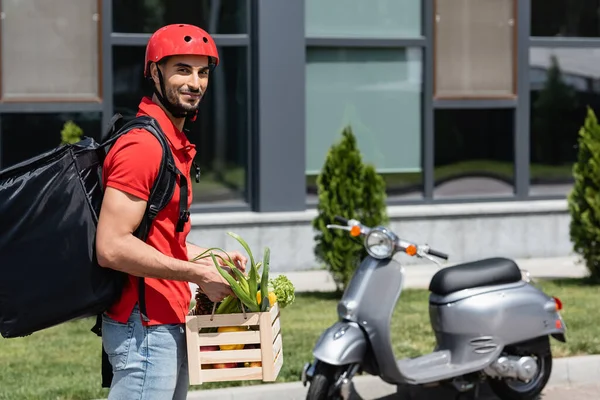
515,60
73,103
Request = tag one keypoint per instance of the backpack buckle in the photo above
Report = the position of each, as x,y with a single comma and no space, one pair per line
184,216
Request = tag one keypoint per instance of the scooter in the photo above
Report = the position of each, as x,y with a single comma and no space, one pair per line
490,324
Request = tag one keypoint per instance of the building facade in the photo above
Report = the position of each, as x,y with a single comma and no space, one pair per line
469,109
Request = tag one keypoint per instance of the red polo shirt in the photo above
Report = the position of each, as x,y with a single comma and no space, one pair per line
132,166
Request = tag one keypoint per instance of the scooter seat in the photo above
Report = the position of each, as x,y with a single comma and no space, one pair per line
486,272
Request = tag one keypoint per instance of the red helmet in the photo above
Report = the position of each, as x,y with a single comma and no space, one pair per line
179,39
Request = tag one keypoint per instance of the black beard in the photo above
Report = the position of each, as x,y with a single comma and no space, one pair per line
177,105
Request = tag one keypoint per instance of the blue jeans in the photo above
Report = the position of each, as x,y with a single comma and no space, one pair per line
148,362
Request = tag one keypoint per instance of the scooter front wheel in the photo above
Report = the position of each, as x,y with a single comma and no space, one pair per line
319,388
323,382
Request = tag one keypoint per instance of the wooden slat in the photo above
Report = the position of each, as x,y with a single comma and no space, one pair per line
276,327
277,345
231,374
193,350
227,320
242,337
266,340
227,356
276,368
274,311
278,364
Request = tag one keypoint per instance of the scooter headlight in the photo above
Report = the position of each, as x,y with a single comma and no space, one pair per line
379,243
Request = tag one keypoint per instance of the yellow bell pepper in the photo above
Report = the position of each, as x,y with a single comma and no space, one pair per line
231,329
272,298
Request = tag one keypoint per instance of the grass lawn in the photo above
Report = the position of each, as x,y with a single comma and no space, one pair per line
64,362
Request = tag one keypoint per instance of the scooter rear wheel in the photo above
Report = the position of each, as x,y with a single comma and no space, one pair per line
516,390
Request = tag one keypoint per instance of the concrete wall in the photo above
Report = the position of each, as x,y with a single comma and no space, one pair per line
519,229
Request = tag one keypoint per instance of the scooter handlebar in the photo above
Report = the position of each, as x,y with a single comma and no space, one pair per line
341,220
438,254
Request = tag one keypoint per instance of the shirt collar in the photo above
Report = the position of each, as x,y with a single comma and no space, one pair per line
177,138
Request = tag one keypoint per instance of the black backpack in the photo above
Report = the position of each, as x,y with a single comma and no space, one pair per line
49,208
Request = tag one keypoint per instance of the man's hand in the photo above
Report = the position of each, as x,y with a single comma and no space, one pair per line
237,258
213,285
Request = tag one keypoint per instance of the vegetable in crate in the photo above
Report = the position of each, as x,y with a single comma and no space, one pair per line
232,329
284,290
272,298
246,289
204,305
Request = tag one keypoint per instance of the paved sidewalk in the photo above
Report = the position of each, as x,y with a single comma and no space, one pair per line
572,378
419,276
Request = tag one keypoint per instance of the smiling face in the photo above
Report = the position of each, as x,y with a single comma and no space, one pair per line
185,78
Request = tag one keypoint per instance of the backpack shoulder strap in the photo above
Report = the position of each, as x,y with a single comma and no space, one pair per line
164,185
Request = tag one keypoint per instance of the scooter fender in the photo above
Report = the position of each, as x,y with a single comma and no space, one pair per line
343,343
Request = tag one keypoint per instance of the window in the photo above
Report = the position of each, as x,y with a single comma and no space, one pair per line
215,16
564,82
378,93
28,135
474,153
578,18
475,49
363,18
221,130
49,50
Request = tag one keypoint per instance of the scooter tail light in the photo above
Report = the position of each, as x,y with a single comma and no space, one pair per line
558,324
559,305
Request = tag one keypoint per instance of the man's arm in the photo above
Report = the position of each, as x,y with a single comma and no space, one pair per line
119,249
193,251
130,170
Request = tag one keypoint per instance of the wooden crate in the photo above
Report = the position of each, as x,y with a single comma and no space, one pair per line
265,331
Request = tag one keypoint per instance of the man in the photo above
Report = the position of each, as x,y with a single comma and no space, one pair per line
148,355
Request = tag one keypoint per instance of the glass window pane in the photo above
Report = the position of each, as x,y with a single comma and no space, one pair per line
363,18
215,16
50,50
576,18
474,153
221,130
28,135
564,82
378,93
474,48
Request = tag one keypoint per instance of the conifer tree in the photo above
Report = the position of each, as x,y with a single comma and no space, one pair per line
584,199
350,189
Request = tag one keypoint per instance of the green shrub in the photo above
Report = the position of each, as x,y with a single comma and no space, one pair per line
348,188
71,133
584,199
